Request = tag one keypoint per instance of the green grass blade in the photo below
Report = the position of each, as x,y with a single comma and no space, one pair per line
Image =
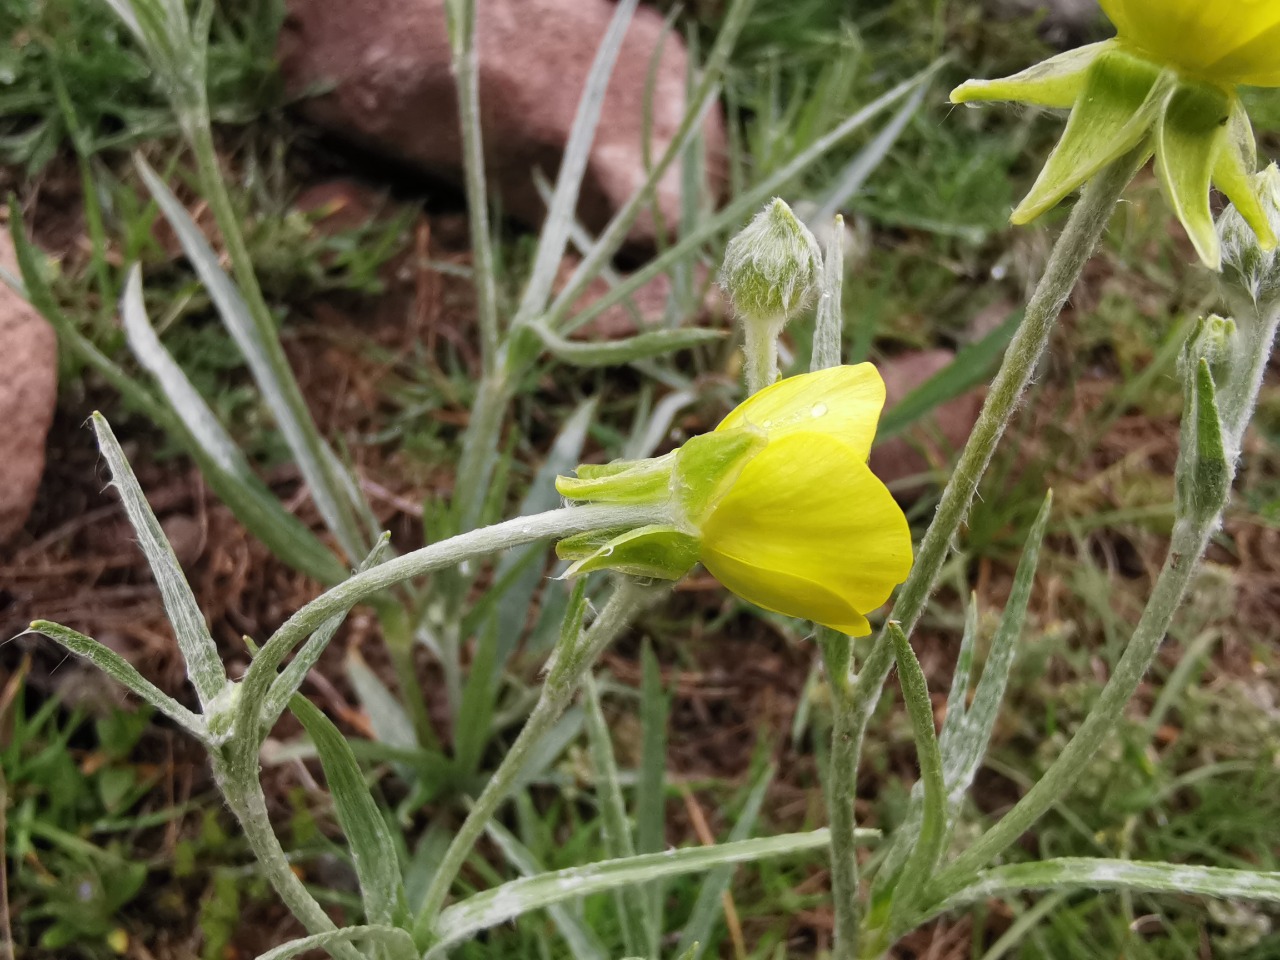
966,745
611,240
618,841
123,672
388,717
730,216
372,848
709,906
582,941
577,151
852,178
514,603
510,900
651,787
299,432
204,666
247,496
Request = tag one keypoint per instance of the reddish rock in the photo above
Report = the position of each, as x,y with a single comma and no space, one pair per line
932,443
385,68
28,396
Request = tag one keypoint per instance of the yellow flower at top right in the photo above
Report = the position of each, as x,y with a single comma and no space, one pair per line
1222,41
1166,86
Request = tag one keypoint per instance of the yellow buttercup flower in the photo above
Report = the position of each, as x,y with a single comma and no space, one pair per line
778,503
1223,41
1167,81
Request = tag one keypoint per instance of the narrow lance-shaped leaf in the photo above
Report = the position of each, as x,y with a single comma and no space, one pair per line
517,897
642,346
222,462
204,668
372,847
966,745
123,672
399,942
264,356
289,680
828,330
577,151
933,822
1083,873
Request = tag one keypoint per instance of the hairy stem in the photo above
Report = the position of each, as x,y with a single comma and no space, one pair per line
1191,534
1070,254
243,792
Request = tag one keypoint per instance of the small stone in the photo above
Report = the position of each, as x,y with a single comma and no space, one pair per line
930,444
384,68
28,397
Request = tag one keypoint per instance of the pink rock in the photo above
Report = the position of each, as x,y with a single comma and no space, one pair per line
932,443
385,65
28,396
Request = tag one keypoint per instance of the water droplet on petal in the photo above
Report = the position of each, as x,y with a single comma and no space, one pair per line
819,410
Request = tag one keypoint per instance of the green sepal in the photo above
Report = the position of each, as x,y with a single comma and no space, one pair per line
708,465
657,552
1190,134
1233,174
622,482
1117,105
1054,83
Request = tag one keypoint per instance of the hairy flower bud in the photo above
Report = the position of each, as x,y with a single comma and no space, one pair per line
771,268
1247,264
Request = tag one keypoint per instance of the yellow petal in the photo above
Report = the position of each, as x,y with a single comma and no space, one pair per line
787,594
842,402
807,521
1220,40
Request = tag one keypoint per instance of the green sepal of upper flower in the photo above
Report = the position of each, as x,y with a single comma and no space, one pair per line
690,481
1121,100
652,552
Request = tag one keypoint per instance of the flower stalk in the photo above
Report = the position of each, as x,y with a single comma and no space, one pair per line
1229,409
1072,251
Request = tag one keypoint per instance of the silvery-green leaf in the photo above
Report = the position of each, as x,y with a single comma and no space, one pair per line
372,848
123,672
262,352
222,462
1084,873
204,666
964,745
397,941
641,346
510,900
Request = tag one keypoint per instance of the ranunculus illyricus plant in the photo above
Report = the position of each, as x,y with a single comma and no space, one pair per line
778,503
1169,79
